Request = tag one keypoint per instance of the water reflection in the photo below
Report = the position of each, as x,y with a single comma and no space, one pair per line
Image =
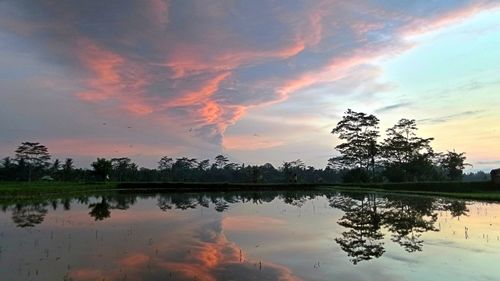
404,218
181,242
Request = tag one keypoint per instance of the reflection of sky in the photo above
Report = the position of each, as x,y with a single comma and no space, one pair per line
269,241
262,81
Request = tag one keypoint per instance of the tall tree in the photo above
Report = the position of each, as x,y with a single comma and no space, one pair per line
34,155
102,168
359,131
54,169
165,163
221,161
67,169
7,169
453,164
407,156
165,167
183,168
204,165
123,168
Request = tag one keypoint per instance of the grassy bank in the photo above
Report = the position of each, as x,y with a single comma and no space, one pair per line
37,188
463,190
216,186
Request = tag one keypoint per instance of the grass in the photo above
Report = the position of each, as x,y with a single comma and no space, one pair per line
485,191
37,188
463,190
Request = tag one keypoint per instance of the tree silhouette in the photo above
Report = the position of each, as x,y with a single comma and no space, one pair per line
123,168
453,164
34,155
102,168
359,132
407,156
165,167
220,161
67,169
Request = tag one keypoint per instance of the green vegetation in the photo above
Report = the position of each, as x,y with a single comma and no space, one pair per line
462,190
33,189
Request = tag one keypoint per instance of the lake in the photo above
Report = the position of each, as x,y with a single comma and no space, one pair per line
249,236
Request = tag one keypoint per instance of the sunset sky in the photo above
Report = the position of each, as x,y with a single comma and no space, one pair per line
259,81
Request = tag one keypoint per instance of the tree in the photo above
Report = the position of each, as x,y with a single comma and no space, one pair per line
292,170
359,132
7,169
165,163
182,168
453,164
67,169
407,156
165,167
221,161
123,168
56,166
102,168
34,155
203,165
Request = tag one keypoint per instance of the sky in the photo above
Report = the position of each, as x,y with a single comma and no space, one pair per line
259,81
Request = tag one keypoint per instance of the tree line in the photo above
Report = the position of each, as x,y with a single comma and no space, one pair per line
402,156
32,161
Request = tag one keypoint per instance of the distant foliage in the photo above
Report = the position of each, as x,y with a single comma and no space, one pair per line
402,156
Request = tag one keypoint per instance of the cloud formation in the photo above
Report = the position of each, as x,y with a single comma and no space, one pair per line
201,66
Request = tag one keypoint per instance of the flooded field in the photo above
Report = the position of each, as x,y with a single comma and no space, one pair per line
250,236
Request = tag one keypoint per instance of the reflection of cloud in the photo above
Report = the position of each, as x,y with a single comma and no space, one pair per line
193,252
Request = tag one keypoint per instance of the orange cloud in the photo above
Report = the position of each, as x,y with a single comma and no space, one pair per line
113,77
201,95
420,26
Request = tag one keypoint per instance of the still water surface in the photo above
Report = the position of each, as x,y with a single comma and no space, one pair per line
250,236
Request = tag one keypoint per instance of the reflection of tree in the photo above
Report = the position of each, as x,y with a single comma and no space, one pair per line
164,203
102,210
28,215
363,239
221,205
456,208
405,218
295,198
408,218
99,211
